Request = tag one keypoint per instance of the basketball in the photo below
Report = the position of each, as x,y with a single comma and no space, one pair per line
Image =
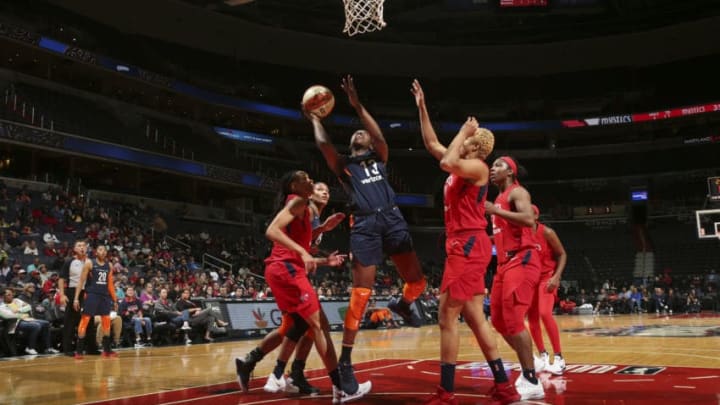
318,100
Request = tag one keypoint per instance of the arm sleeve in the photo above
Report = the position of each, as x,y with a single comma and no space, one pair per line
111,286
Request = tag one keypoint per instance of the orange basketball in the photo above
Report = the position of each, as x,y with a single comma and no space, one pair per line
318,100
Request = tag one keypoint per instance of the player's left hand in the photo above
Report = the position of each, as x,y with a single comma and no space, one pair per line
348,85
552,284
469,127
490,208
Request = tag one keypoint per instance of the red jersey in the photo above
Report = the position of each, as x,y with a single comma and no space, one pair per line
300,231
510,238
464,205
547,256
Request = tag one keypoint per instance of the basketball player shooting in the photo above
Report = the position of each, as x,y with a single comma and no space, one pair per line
378,226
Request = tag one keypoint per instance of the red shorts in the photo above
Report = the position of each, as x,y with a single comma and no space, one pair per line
514,289
291,288
467,260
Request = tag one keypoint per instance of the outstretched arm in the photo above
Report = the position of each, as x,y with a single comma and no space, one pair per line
379,143
429,136
472,169
322,140
330,223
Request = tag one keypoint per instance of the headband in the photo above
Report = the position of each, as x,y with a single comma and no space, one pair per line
513,166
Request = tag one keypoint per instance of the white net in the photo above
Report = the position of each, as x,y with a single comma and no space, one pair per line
363,16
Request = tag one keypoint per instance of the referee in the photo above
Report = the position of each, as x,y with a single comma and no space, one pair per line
68,282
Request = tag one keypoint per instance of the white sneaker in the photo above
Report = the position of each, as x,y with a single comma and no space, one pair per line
336,395
363,389
52,351
539,363
185,326
274,385
139,345
30,351
188,342
558,366
528,390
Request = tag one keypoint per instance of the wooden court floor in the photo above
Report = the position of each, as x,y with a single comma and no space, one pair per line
646,339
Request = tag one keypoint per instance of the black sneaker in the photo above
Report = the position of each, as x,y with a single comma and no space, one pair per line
243,371
297,383
348,383
403,310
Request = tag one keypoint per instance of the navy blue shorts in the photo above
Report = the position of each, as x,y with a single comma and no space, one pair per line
376,234
97,304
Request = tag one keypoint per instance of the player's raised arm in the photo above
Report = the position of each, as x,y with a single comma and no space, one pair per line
430,139
379,144
452,161
323,142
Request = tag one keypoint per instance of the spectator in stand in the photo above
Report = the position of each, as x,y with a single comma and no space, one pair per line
116,329
50,286
636,300
601,302
199,317
21,277
692,304
31,248
14,238
165,311
14,308
659,301
148,295
29,296
64,249
5,269
131,311
191,265
44,274
673,301
567,305
50,249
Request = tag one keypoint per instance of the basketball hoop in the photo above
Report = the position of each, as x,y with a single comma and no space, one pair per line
363,16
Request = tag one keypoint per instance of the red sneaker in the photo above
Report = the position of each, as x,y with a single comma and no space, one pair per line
504,393
442,397
110,355
78,356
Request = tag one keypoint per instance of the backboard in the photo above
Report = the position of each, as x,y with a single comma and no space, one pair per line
708,223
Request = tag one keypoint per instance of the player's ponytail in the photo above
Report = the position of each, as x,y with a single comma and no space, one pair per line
285,190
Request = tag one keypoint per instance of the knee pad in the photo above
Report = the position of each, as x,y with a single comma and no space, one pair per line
298,328
356,311
413,289
105,323
285,325
82,327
